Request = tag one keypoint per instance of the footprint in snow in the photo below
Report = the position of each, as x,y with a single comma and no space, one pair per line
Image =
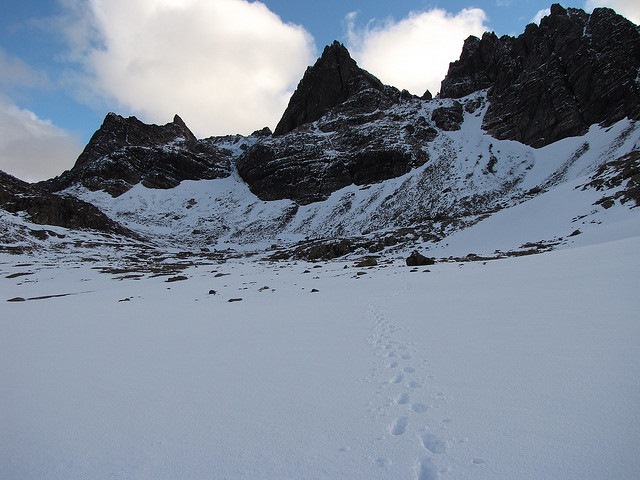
402,399
397,378
433,443
399,426
419,408
426,470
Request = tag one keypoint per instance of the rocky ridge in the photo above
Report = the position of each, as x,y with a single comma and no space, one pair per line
333,79
555,80
356,165
126,151
344,127
43,208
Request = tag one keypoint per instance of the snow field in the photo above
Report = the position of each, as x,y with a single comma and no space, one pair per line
517,368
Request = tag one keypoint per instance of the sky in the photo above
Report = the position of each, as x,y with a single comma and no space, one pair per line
225,66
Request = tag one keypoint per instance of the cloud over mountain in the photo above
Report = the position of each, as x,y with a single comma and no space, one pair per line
227,66
413,53
31,148
628,8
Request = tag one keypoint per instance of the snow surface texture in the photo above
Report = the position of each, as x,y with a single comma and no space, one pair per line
515,368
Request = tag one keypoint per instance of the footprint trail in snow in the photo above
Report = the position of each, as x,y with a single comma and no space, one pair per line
405,401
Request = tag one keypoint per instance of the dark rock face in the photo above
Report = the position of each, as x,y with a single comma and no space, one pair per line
333,79
125,151
339,129
358,142
554,80
50,209
448,118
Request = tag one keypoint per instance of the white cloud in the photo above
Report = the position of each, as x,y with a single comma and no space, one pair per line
414,53
15,73
225,66
33,149
541,13
627,8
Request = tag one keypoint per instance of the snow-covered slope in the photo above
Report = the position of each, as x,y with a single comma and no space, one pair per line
515,368
468,176
190,355
192,338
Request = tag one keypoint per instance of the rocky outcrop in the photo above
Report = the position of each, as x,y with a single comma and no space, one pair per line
556,79
416,259
448,118
622,176
333,79
340,129
362,141
44,208
126,151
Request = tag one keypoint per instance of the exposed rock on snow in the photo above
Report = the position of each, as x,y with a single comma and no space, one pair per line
622,176
125,151
43,208
333,79
554,80
416,259
448,118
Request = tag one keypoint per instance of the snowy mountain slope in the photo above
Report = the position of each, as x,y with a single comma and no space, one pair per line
365,166
468,174
190,352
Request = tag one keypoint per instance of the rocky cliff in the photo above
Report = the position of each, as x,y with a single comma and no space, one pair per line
339,129
344,127
333,79
556,79
43,208
126,151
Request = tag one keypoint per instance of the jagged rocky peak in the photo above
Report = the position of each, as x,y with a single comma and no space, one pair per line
556,79
333,79
117,132
126,151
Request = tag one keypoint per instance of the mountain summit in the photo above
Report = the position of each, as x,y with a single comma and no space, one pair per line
555,80
333,79
126,151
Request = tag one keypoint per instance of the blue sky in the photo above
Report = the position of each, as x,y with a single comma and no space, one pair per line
226,66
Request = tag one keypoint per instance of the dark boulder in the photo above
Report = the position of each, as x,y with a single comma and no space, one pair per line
416,259
367,262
